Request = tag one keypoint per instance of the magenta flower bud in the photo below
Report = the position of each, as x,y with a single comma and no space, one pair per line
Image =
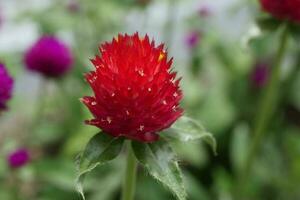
6,87
50,57
192,39
18,158
260,74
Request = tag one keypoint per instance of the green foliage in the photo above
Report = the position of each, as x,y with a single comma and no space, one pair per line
158,158
239,146
101,149
295,31
268,23
217,92
186,129
160,161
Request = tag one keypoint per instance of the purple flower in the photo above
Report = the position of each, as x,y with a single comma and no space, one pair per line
204,11
1,18
73,6
260,74
50,57
18,158
6,87
192,39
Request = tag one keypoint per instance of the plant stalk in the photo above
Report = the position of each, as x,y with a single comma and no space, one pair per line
266,107
129,181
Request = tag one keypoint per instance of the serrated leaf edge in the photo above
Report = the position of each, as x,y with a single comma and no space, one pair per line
180,197
78,184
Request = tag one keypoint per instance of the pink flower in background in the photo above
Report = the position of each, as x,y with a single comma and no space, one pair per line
192,39
18,158
204,11
73,6
1,18
6,86
260,74
50,57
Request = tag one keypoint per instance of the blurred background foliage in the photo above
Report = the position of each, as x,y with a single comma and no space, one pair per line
46,117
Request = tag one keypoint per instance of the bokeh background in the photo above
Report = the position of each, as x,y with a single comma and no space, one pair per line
224,60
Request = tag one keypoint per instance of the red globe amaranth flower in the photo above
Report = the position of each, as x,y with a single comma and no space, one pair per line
6,87
18,158
137,94
50,57
283,9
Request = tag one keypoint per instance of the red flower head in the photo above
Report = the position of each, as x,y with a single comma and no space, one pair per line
136,93
283,9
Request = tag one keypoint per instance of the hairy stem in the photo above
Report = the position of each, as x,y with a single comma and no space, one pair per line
129,182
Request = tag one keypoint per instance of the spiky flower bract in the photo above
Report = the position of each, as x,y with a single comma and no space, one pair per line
136,94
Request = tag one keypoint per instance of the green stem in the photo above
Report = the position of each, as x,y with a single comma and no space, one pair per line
130,176
41,99
14,184
267,106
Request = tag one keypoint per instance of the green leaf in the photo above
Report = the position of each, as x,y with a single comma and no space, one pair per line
101,149
159,160
253,33
268,23
295,30
186,129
